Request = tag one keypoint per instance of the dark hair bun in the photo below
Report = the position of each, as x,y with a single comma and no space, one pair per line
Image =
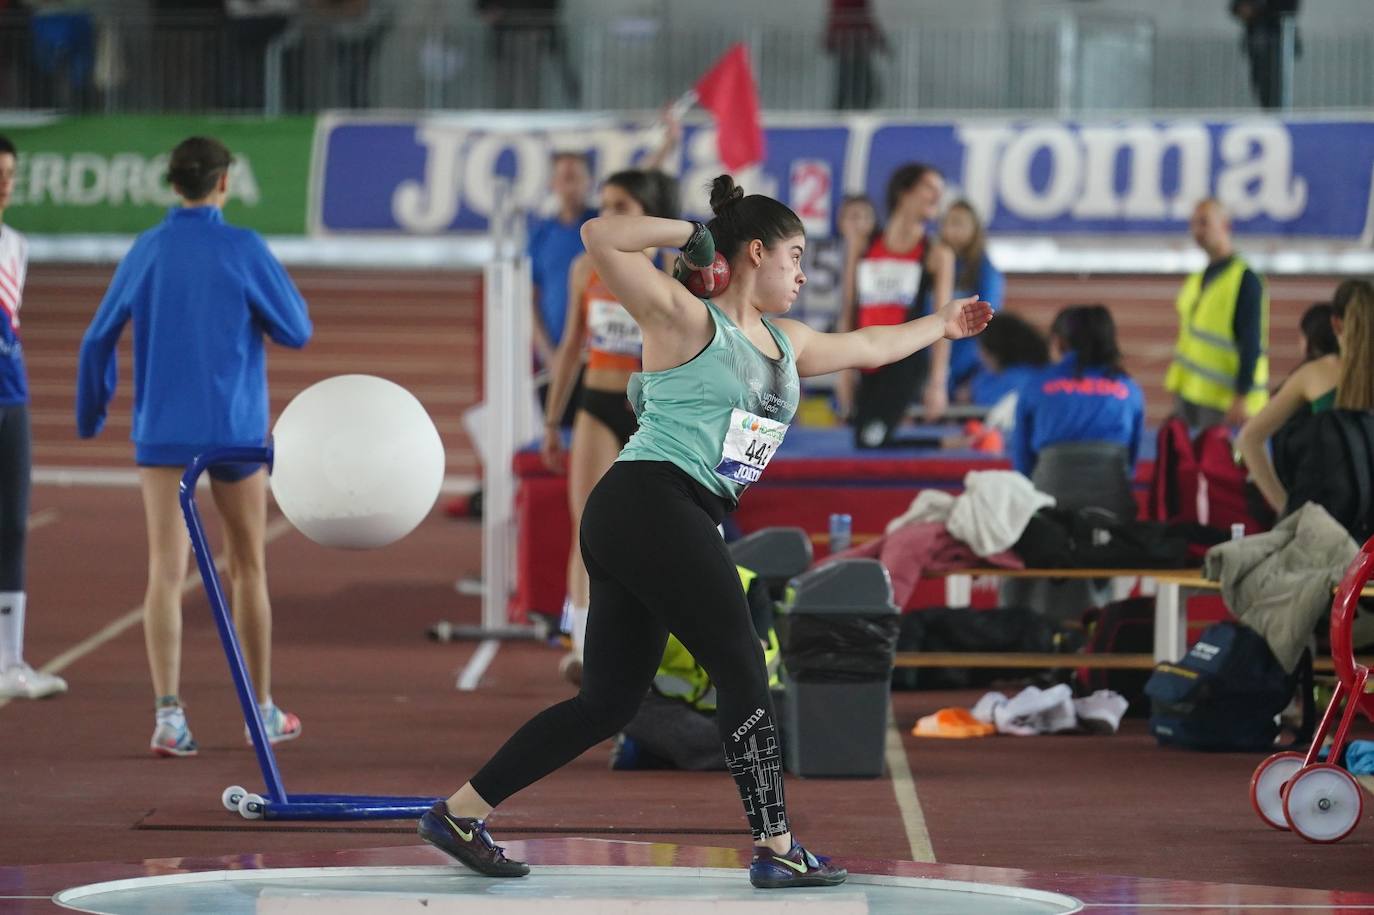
724,192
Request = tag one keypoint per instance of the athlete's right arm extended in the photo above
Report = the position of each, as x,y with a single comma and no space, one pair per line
616,246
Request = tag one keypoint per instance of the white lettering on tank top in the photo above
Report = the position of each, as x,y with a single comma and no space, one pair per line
888,281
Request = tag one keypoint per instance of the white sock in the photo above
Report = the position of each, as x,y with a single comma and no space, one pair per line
11,628
579,628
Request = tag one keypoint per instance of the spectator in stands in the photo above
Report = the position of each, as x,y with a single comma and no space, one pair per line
524,35
1343,380
1220,372
1263,22
251,27
354,29
852,36
892,282
201,295
1079,425
1317,332
1080,422
974,274
63,36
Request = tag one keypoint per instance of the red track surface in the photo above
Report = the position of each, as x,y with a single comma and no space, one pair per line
381,713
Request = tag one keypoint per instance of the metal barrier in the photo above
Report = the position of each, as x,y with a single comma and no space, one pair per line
1070,62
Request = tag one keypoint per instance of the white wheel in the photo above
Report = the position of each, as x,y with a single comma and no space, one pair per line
251,806
230,798
1323,803
1266,787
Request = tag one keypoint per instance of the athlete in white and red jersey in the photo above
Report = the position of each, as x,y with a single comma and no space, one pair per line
17,679
889,279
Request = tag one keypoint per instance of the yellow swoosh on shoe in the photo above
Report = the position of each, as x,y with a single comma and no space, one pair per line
799,868
465,836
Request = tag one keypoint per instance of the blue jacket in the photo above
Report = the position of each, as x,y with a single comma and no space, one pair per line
201,294
987,387
1059,406
964,363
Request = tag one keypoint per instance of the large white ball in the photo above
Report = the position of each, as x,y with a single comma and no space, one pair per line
357,462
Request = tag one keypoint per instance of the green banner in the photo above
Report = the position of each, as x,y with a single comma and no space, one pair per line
100,175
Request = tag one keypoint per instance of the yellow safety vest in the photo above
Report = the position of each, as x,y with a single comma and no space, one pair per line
1206,357
679,675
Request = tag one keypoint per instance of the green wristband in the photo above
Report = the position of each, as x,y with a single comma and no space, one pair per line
700,250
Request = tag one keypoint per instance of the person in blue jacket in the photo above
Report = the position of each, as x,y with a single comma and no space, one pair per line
1079,422
974,274
201,294
1013,352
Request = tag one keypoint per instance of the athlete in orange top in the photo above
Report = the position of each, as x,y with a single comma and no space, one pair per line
603,330
891,278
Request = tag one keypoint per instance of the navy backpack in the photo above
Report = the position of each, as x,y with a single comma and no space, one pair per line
1226,693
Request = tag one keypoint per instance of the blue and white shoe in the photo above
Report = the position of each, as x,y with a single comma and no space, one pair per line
172,737
772,871
279,725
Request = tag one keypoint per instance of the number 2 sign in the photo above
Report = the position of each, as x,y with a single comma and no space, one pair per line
810,195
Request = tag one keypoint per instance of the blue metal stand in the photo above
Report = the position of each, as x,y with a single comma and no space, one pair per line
276,805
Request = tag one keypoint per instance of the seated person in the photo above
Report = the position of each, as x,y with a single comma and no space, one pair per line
1341,381
1011,354
675,727
1079,424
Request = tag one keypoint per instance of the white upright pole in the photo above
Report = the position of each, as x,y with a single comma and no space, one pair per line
507,393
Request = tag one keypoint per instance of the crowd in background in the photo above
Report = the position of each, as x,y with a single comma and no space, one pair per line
73,54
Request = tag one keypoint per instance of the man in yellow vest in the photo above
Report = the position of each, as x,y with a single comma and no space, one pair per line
1220,372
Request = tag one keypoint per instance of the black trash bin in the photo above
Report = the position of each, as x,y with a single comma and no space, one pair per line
838,652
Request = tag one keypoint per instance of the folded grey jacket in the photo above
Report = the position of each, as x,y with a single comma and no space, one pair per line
1279,583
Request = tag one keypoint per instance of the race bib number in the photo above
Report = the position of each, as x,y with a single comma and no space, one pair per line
613,330
750,443
888,282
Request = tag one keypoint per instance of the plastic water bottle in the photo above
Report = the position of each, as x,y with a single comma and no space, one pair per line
1237,531
841,532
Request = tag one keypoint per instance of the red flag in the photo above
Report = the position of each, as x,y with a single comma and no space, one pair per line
728,91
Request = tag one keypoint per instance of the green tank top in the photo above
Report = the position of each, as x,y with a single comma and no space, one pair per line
1324,402
720,416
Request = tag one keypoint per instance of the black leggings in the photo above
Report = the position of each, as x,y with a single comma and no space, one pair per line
657,565
14,494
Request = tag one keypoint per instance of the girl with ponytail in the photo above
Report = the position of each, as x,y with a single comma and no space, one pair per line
718,388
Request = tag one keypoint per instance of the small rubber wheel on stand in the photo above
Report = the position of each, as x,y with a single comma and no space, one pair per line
230,797
252,807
